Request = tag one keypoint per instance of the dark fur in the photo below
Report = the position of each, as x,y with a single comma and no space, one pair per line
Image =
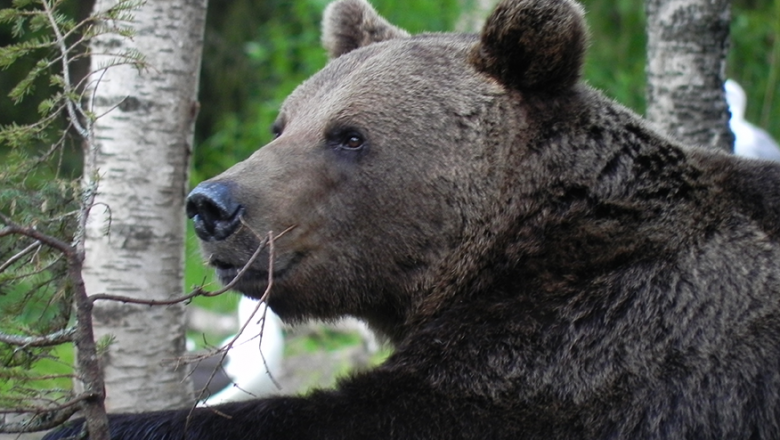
545,264
524,48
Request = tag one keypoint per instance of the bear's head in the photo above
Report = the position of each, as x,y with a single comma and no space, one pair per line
401,166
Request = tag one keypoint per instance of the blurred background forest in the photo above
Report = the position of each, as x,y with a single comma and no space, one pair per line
257,51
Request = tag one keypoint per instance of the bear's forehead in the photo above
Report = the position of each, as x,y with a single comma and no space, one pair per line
399,66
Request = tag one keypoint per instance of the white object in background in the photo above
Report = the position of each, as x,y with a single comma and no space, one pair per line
248,368
750,141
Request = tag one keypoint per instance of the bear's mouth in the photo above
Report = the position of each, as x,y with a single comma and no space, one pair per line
253,281
227,272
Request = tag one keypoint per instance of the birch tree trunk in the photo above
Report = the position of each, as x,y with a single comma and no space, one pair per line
686,61
135,241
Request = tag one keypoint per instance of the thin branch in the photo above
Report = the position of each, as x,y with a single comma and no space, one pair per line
45,122
260,338
41,377
18,256
264,299
14,229
197,291
50,340
89,176
45,418
227,347
35,272
204,392
224,350
83,132
42,402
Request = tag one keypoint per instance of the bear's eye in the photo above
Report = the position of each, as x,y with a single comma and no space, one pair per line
276,130
352,141
347,140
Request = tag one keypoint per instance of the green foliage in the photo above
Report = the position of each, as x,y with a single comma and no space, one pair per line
38,193
50,379
320,338
284,52
616,58
423,16
754,59
270,49
257,52
197,273
35,293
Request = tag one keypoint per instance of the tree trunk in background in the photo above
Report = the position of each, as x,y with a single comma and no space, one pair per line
686,58
145,143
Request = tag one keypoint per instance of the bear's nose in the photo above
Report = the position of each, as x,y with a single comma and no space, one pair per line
216,215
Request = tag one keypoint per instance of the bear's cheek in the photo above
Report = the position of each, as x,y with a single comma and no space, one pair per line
297,199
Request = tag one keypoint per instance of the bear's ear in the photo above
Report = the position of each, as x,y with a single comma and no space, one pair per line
533,45
351,24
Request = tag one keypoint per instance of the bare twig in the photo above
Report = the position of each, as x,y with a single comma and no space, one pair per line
44,418
19,255
82,131
264,299
41,377
196,292
199,290
14,229
74,401
50,340
36,271
224,349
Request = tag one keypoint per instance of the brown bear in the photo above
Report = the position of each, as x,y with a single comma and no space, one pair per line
545,264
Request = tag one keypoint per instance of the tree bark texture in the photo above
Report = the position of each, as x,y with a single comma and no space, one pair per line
135,241
686,61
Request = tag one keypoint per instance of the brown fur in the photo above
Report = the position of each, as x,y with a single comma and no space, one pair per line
534,46
546,265
348,25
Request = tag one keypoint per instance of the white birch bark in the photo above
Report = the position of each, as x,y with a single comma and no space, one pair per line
144,144
686,62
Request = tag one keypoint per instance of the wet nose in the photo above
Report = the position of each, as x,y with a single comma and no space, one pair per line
214,211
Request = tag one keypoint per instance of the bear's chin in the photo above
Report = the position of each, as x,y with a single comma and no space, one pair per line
254,281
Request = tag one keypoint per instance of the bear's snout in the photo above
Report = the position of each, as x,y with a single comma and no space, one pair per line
214,210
